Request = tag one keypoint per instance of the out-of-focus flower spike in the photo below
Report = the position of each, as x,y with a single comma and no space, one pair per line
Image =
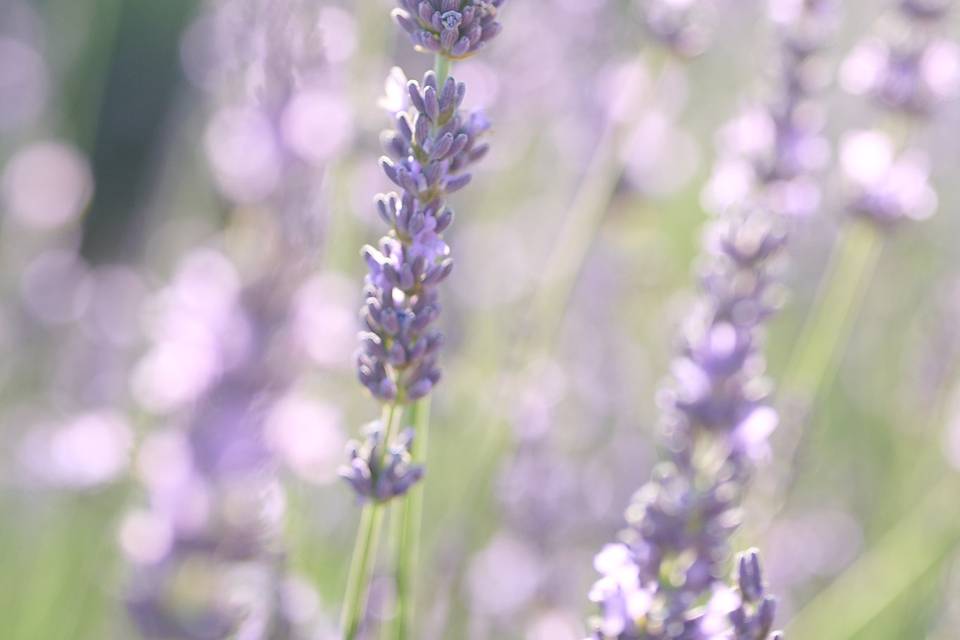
911,70
714,408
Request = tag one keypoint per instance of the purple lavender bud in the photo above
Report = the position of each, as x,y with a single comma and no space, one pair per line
444,220
421,129
448,38
405,22
416,97
431,104
425,13
403,126
378,475
753,618
390,170
443,146
452,28
457,182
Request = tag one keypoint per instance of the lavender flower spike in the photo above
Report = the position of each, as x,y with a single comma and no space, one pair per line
716,422
429,150
910,71
715,411
454,28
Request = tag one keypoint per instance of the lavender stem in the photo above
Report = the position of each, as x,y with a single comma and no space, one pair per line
432,144
813,362
368,539
441,66
410,507
582,222
410,512
902,556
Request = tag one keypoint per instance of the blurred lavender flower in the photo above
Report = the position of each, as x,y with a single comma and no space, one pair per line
269,147
716,423
66,326
911,70
24,72
774,153
206,556
454,28
678,25
886,188
715,410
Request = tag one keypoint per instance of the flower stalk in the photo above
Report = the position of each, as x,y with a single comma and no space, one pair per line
368,540
432,145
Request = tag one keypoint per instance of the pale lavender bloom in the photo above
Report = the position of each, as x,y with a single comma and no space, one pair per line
913,71
24,72
913,81
46,185
216,507
716,419
307,435
189,321
84,452
280,117
74,438
625,599
884,187
678,25
811,545
715,407
505,577
909,69
774,153
206,556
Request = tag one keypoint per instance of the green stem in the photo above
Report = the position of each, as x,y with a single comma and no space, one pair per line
813,363
563,266
441,66
368,538
543,320
409,514
920,540
408,510
579,229
815,357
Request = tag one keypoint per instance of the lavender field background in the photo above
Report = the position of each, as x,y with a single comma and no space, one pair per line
185,188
